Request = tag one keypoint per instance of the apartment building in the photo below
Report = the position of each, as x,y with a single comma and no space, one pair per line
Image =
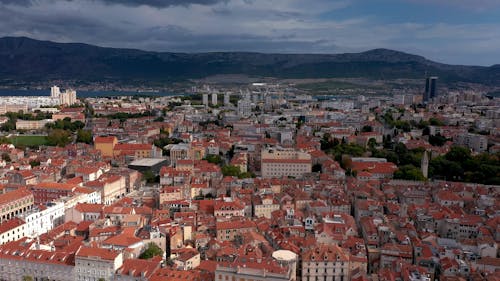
253,271
265,205
41,219
325,262
136,150
32,124
12,230
105,145
277,163
49,191
15,202
229,208
93,264
112,187
478,143
228,230
16,263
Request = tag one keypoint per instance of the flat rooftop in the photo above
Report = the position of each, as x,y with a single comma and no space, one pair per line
147,162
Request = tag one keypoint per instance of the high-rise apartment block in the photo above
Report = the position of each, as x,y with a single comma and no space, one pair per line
55,91
205,99
67,97
214,99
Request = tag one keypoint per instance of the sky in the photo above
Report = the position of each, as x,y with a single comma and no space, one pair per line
448,31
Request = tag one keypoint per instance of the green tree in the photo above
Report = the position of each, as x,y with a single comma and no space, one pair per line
458,154
151,251
8,126
409,172
372,143
437,140
230,170
59,137
435,122
149,177
6,157
367,128
317,168
215,159
84,136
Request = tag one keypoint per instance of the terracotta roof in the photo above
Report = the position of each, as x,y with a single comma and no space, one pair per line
448,196
109,139
14,195
75,180
237,224
89,208
164,274
325,253
91,252
126,238
138,267
10,224
55,186
84,226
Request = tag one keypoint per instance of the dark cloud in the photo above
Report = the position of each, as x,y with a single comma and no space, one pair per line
133,3
17,2
280,26
161,3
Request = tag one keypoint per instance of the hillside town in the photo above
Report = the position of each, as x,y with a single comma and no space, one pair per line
257,182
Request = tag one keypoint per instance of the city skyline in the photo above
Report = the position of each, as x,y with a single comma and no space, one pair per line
455,32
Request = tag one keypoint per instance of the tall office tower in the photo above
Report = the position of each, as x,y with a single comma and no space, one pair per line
430,88
214,98
205,99
55,91
227,98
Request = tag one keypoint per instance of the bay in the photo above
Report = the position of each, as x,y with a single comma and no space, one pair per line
85,94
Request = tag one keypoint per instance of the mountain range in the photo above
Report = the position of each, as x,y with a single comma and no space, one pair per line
24,59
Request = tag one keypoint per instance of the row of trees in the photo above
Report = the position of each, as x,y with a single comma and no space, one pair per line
10,125
337,148
460,165
66,124
456,165
123,116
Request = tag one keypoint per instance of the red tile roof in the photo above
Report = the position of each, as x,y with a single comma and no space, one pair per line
55,186
109,139
236,224
125,239
89,208
10,224
138,267
14,195
91,252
